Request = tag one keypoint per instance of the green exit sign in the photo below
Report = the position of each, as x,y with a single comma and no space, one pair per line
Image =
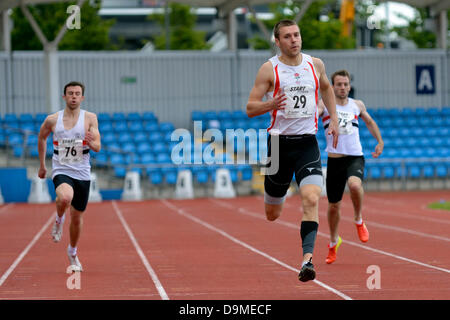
128,80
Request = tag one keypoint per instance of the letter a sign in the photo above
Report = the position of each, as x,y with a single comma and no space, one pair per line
425,79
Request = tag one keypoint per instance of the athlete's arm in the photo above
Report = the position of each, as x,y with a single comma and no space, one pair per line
44,132
93,135
321,107
328,99
373,128
263,82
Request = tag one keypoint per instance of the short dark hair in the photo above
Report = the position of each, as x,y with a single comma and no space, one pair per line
283,23
74,84
343,73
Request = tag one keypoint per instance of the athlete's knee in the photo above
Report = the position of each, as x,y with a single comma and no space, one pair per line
64,199
310,198
354,186
272,212
333,208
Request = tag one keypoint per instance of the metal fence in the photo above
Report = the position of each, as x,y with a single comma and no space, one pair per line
173,84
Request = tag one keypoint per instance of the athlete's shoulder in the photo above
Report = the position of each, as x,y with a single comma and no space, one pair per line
318,63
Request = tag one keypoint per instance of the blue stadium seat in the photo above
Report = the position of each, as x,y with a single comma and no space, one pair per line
239,114
120,127
170,175
151,127
224,115
441,170
201,176
388,172
125,137
428,171
149,116
116,159
39,118
15,139
147,158
163,158
414,170
155,136
120,172
246,172
26,117
135,126
154,175
166,127
158,147
119,117
129,147
134,117
105,127
140,137
10,117
108,137
197,116
210,115
103,117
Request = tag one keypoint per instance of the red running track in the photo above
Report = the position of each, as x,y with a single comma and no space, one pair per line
216,249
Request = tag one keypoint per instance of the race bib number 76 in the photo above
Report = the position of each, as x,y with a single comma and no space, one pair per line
70,151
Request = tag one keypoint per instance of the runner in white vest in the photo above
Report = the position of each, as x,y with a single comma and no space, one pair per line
291,83
346,161
75,132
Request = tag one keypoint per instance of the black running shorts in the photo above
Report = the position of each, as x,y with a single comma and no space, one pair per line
80,190
338,172
299,155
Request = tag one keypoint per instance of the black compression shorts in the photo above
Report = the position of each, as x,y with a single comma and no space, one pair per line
299,155
338,172
80,190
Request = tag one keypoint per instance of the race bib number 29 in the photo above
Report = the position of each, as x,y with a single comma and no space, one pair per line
70,151
300,101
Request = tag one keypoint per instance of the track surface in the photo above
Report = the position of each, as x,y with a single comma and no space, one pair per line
216,249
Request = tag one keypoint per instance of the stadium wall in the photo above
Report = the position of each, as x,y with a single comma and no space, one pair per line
173,84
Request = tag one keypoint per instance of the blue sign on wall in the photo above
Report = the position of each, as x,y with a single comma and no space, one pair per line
425,79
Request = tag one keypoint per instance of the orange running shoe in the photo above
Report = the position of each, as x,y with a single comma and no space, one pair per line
332,252
363,233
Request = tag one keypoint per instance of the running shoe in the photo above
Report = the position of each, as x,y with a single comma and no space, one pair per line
57,231
307,272
332,252
363,233
75,263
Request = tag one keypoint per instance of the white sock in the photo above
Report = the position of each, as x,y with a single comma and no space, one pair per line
59,219
332,244
72,251
359,222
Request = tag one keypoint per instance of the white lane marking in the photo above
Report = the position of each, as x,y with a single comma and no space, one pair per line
141,254
245,245
27,249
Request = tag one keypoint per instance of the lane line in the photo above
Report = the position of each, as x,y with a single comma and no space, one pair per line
247,246
151,272
294,226
27,249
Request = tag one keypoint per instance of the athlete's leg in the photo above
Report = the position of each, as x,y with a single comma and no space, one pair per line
64,196
356,193
310,194
334,216
76,224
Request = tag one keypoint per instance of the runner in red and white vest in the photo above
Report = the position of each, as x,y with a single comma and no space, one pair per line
75,132
291,83
345,163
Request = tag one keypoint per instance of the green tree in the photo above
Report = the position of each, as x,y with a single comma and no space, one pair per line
415,30
93,34
316,34
182,35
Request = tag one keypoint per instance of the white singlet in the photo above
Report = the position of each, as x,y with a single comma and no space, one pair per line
349,142
71,160
301,85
